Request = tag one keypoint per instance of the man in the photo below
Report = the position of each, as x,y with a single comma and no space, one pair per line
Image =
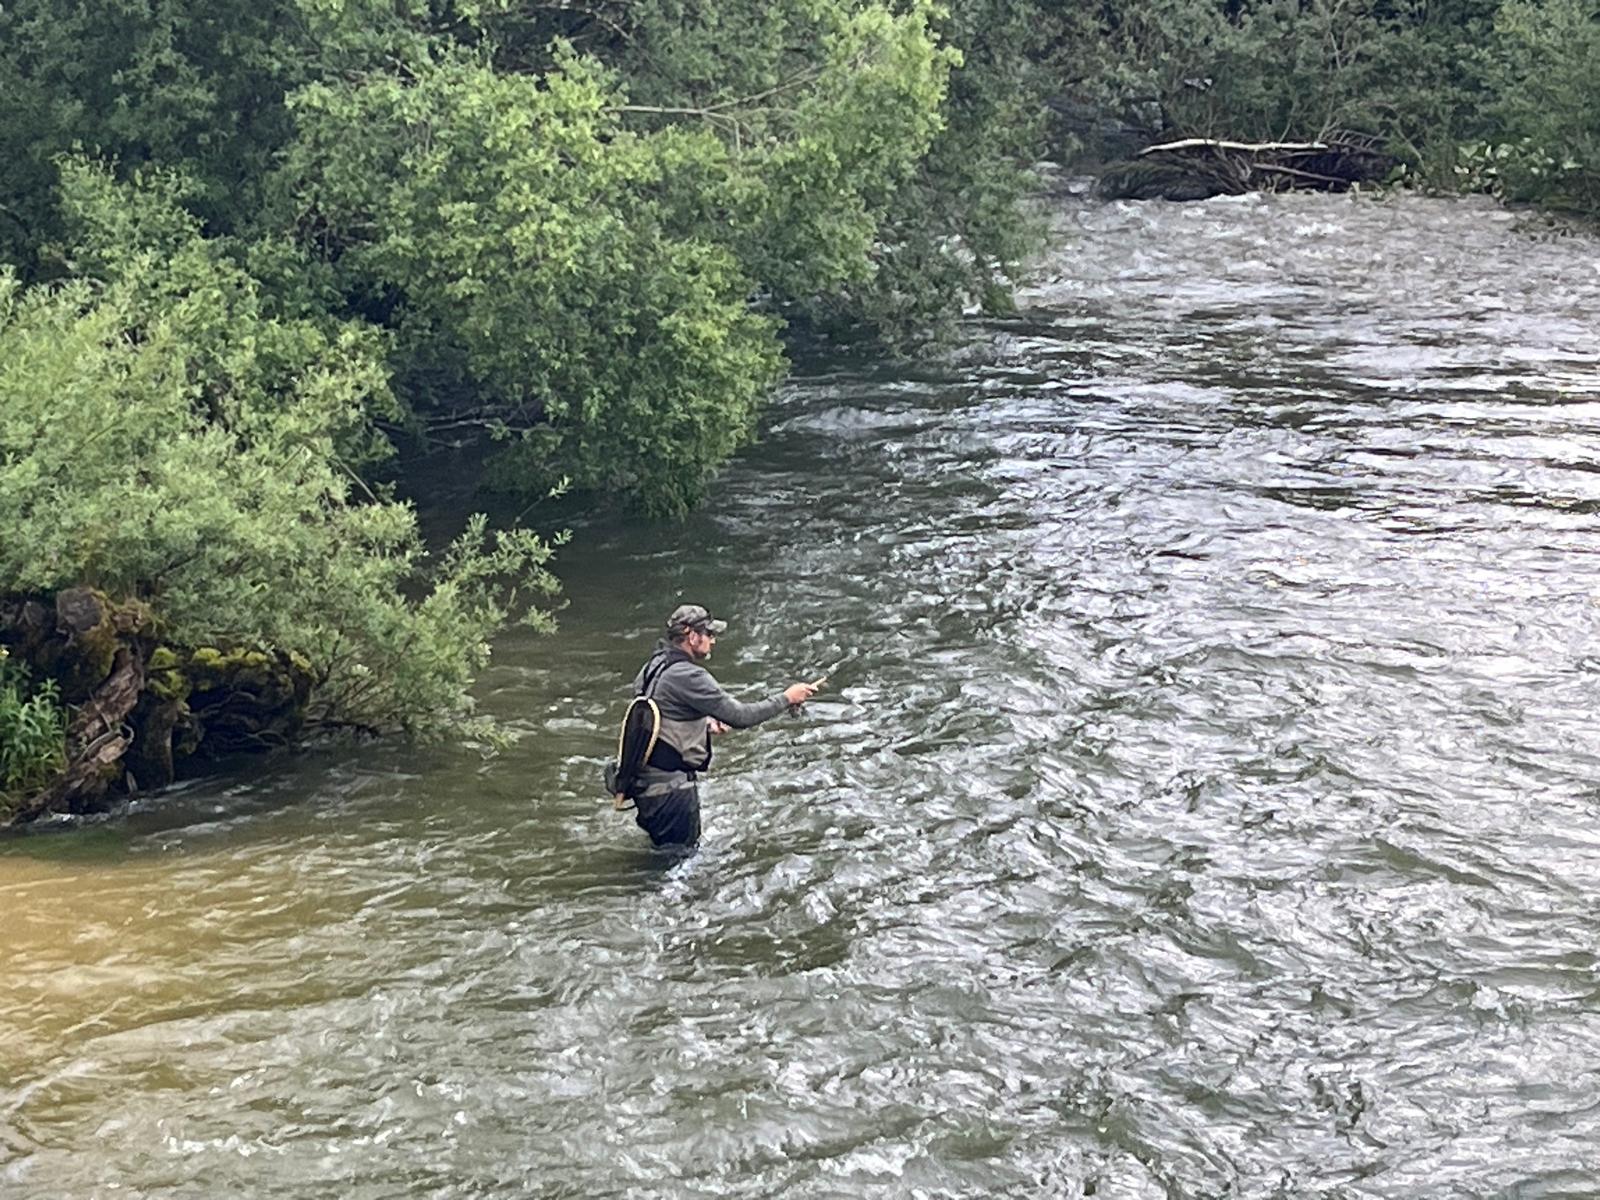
693,707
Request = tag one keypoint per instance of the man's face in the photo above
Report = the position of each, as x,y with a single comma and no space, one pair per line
700,644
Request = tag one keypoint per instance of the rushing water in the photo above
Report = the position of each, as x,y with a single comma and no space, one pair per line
1213,808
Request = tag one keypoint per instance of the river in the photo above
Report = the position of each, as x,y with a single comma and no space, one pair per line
1212,807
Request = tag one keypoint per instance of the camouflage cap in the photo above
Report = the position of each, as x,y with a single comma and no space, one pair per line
687,618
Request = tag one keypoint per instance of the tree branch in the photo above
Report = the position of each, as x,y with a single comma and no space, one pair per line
1242,147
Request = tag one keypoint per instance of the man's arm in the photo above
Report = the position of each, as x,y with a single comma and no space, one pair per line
696,689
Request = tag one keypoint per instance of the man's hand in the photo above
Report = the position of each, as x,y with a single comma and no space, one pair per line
717,726
799,693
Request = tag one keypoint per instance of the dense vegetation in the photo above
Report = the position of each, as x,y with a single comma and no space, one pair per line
246,251
1490,95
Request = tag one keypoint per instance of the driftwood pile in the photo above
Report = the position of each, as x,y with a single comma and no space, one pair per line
1197,168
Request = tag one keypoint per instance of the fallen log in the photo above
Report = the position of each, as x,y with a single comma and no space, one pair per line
1198,168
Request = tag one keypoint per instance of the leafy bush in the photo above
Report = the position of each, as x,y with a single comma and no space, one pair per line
579,224
828,116
1410,72
1259,70
575,270
955,227
163,437
1548,102
512,235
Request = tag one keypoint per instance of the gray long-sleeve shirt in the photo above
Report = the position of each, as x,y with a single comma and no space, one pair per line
684,692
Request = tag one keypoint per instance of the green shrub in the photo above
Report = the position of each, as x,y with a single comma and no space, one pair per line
581,227
1285,69
1547,106
1412,73
33,731
510,233
575,269
163,437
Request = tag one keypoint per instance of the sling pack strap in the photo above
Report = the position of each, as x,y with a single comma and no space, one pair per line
647,686
636,741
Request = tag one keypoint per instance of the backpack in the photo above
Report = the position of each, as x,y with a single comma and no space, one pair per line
636,741
641,726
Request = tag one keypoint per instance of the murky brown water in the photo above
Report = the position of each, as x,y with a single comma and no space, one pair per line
1214,809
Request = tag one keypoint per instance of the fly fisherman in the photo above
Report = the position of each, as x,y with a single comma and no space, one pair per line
693,706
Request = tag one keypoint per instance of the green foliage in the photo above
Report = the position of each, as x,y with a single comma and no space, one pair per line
1430,82
1548,103
196,86
1253,70
815,189
959,228
1501,96
514,237
190,84
575,269
859,189
163,437
569,218
1524,170
33,731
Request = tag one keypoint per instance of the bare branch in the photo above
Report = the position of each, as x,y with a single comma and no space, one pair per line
721,112
1311,176
1242,147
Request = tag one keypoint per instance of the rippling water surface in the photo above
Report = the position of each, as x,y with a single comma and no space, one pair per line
1212,809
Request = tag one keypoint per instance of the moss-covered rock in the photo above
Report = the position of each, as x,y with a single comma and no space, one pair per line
89,642
165,677
246,699
139,708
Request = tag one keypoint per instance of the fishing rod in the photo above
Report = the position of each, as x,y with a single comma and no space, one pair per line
848,658
851,656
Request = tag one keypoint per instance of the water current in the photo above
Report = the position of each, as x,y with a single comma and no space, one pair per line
1212,807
